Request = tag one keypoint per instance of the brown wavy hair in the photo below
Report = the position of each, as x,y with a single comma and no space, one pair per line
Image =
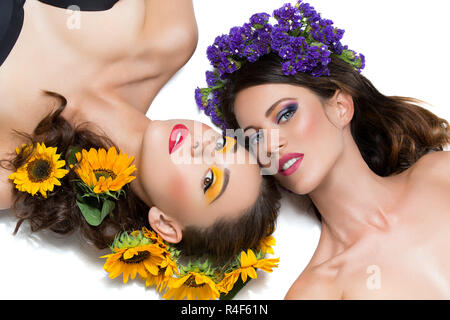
60,213
391,132
226,238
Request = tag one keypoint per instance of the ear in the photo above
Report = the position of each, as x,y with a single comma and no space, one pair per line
168,228
340,109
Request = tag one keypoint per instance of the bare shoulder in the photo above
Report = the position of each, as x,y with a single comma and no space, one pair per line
433,167
316,283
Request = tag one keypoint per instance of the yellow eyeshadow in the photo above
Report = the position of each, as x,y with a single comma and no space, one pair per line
216,186
229,145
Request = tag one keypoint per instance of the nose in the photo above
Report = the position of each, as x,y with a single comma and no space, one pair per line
275,143
269,150
198,146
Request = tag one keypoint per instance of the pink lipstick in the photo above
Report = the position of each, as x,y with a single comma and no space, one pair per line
177,137
289,163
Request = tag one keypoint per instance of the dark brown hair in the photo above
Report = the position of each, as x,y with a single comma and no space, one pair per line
391,132
59,212
226,238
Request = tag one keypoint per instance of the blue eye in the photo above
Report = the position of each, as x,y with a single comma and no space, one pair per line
256,138
287,113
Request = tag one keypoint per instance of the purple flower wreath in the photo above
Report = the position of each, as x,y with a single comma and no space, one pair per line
300,37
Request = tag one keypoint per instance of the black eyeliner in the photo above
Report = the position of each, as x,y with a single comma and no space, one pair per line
292,107
209,184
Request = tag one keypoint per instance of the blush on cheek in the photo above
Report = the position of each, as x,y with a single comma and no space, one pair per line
177,198
177,188
307,127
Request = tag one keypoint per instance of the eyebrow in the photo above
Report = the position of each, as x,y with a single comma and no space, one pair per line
226,179
270,110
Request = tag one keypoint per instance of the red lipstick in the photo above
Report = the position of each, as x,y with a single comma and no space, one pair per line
177,137
289,163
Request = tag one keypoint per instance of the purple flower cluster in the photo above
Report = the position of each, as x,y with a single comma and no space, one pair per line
301,51
300,36
246,43
208,99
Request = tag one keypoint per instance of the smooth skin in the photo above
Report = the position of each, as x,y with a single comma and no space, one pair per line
109,76
381,238
117,56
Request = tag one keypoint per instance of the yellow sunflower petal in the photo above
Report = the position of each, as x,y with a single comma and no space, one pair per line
93,159
111,156
102,156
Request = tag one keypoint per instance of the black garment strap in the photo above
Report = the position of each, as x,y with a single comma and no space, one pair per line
11,22
84,5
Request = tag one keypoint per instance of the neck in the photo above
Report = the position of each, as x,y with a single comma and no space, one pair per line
352,200
123,124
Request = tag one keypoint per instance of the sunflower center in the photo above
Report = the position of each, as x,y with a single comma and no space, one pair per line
104,173
39,170
162,271
137,258
190,282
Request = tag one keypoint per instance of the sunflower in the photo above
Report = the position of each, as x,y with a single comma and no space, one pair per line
227,283
104,171
166,270
248,265
155,237
267,265
193,286
267,243
41,172
142,260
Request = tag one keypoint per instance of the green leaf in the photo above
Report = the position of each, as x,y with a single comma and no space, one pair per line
92,212
107,208
258,26
72,159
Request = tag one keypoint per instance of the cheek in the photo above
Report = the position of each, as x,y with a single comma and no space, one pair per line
169,191
177,187
313,135
308,127
181,194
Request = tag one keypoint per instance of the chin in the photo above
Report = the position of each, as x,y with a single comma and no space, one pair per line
302,184
299,188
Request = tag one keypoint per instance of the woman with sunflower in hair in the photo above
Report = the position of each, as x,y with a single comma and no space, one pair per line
91,161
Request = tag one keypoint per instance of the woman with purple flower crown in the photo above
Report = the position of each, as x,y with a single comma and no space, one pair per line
374,166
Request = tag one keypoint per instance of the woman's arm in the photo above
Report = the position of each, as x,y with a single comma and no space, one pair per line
5,192
167,40
170,29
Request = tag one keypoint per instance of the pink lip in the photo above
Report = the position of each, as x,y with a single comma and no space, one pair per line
176,130
292,168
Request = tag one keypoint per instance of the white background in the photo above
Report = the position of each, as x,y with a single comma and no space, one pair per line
406,46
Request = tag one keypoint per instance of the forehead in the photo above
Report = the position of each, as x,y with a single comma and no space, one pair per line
269,91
